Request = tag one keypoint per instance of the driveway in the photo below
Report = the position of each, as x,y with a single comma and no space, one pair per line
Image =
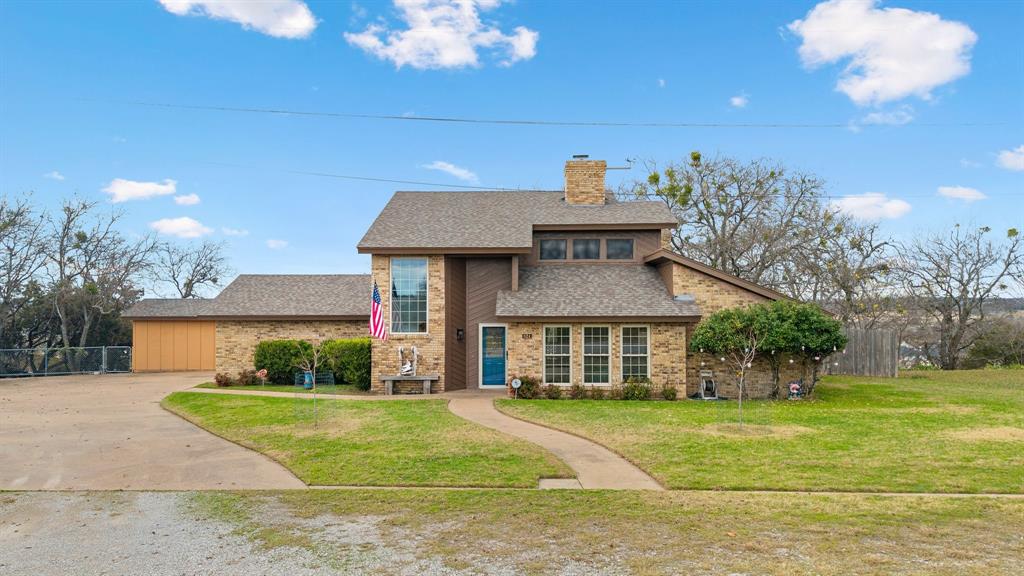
108,432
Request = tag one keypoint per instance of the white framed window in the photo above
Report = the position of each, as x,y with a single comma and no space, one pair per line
597,348
636,352
557,355
409,295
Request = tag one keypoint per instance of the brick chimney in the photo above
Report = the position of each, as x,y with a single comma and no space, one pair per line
584,180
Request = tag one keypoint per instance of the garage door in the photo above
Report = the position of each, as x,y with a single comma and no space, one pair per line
173,345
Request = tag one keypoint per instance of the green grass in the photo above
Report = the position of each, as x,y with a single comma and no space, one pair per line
370,442
924,432
323,389
555,532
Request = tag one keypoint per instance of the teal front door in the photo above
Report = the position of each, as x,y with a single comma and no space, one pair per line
492,355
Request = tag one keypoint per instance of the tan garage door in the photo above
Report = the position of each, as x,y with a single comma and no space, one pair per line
173,345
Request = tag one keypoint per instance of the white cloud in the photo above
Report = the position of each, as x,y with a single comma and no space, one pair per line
661,82
444,34
234,231
183,227
122,190
279,18
54,175
961,193
872,206
459,172
893,52
903,115
968,163
739,101
277,244
1012,159
187,199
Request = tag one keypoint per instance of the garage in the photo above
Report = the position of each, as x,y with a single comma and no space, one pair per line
173,345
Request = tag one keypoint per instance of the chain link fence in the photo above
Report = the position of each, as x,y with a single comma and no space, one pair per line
15,362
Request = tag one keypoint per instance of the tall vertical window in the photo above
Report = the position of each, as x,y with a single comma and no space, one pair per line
596,349
408,295
556,354
635,352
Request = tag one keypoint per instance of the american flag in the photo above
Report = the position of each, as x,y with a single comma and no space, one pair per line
377,329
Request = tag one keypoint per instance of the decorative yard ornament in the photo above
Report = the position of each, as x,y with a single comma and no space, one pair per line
407,362
516,383
262,375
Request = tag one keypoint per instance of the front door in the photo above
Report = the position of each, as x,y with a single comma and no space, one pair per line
492,355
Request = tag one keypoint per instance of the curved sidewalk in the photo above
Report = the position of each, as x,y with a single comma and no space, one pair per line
595,466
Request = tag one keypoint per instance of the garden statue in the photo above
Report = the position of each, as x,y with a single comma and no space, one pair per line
407,363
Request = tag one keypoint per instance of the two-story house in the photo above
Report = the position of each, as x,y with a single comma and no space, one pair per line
568,287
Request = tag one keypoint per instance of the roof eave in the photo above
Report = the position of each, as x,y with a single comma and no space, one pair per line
600,319
362,249
663,255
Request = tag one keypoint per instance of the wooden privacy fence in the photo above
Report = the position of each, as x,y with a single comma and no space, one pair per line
869,352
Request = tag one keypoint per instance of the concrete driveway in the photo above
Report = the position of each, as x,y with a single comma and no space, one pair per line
108,432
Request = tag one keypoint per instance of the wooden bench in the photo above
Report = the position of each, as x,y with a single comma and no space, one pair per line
426,380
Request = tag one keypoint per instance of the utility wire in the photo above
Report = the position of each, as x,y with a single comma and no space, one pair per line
521,122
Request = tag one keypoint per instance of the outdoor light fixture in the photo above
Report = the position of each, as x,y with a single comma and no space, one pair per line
460,334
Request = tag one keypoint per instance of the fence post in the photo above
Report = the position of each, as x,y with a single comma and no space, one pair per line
103,362
46,361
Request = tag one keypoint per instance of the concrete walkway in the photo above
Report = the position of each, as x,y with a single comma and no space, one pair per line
595,465
108,432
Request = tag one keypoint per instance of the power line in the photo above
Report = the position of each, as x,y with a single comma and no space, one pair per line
524,122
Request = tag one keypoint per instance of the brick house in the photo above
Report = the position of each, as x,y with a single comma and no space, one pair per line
572,287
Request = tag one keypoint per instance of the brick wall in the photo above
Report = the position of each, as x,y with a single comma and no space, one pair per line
237,339
430,345
666,347
584,181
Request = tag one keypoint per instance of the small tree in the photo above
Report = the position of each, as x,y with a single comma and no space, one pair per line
818,336
735,335
308,359
779,335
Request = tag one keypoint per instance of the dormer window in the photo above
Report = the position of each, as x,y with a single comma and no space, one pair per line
586,249
619,248
552,250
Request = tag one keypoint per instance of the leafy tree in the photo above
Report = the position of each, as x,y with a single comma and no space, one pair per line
735,335
818,336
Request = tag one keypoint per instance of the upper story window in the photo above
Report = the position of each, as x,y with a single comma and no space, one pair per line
586,249
408,295
619,248
552,249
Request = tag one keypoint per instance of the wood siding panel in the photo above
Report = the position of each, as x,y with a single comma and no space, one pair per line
194,346
484,277
173,345
455,318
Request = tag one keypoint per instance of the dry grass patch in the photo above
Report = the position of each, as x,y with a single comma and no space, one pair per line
755,430
996,434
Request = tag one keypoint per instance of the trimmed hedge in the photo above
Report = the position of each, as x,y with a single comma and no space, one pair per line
349,359
280,359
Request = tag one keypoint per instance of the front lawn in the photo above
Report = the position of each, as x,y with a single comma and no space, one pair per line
923,432
629,532
370,442
322,389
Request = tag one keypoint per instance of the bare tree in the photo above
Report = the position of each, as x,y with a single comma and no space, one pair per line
309,360
94,269
744,218
191,268
951,277
21,256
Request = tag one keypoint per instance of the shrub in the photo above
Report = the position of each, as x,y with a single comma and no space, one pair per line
615,392
248,378
596,393
223,380
528,388
552,392
279,358
577,392
668,392
350,360
637,389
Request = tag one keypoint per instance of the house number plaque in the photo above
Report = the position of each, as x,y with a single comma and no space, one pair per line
527,336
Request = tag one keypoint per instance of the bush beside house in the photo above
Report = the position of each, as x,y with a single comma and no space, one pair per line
347,358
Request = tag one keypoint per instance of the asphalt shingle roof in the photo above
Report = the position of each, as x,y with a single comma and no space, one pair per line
591,291
168,308
493,219
271,295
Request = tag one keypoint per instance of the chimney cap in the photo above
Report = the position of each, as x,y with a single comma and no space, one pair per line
580,156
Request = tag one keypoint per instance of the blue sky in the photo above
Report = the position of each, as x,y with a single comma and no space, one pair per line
930,95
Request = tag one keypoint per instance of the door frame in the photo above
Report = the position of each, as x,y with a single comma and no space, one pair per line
480,355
